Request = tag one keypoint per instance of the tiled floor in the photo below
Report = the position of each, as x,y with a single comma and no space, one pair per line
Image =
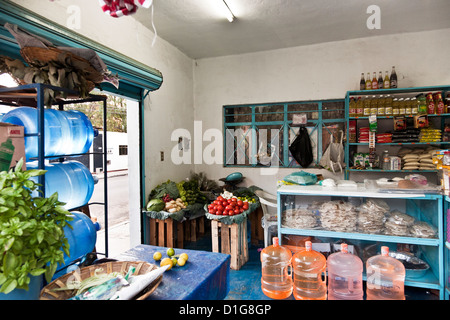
245,283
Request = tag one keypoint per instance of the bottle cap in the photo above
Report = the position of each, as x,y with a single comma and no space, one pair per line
344,247
308,245
385,251
275,241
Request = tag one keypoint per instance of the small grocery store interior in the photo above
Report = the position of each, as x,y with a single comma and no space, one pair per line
224,150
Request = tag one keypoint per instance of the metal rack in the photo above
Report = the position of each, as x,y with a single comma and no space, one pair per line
33,95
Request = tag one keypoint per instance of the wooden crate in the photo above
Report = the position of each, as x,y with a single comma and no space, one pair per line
166,233
194,228
233,241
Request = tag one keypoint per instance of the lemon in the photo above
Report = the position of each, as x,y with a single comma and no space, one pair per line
166,261
157,255
174,261
170,252
181,262
184,256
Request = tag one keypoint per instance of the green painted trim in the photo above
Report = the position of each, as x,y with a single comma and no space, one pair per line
129,70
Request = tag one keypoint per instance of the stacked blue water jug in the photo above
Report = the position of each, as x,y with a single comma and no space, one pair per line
65,133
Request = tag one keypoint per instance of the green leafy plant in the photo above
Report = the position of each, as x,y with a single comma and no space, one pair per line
32,240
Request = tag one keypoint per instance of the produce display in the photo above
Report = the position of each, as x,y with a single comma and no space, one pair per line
173,197
172,259
190,192
228,204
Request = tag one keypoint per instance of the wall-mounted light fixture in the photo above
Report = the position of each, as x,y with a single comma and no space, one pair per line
226,10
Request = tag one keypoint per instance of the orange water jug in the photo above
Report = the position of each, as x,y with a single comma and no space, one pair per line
276,281
309,268
345,275
385,277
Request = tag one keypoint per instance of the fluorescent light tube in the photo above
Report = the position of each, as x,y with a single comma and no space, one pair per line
226,10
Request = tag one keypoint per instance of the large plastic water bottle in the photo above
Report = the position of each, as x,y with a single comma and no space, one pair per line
65,132
276,281
309,267
345,275
385,277
71,179
81,237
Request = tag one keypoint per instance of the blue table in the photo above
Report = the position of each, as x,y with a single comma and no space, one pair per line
205,276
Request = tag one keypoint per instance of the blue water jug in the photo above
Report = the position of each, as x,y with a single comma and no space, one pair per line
71,179
81,237
66,132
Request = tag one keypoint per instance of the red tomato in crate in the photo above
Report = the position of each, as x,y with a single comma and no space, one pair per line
240,203
220,198
237,211
245,205
233,199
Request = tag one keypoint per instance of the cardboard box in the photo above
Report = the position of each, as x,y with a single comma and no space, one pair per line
12,145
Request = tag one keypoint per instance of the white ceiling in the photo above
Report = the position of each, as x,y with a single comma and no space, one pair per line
196,27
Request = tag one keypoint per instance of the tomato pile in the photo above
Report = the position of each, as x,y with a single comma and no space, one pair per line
227,207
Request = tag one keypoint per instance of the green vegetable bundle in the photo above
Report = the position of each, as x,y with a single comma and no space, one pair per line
190,192
168,187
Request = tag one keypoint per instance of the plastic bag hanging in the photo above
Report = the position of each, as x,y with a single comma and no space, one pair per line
301,149
333,157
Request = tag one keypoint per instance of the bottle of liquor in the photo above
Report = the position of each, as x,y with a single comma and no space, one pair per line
393,78
387,81
380,80
374,81
362,83
368,82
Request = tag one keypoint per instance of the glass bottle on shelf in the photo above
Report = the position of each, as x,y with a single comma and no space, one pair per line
388,105
407,103
359,107
393,78
387,81
381,106
395,107
368,82
362,82
439,103
374,81
380,80
366,103
352,107
374,105
414,106
401,107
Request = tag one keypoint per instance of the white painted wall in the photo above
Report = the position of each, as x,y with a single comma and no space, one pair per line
323,71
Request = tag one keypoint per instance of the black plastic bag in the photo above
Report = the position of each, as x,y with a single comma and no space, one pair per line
301,148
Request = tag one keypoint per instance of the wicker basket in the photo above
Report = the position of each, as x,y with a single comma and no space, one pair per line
48,293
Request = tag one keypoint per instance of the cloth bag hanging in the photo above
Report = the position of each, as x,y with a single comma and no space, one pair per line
301,149
333,157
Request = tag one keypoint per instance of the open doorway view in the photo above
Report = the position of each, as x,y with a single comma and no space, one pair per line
117,166
118,232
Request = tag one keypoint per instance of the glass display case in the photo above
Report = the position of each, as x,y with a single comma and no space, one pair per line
411,224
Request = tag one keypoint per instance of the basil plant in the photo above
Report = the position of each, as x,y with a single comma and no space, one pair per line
32,240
